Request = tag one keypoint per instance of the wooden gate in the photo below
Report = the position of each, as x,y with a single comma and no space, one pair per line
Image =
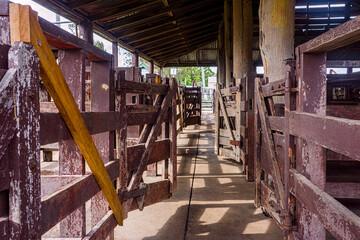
192,108
296,142
33,201
237,140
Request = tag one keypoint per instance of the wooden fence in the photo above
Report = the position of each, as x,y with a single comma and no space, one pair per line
35,198
192,106
234,124
296,143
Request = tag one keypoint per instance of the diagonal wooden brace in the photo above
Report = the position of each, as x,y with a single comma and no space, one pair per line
136,177
24,26
265,124
226,118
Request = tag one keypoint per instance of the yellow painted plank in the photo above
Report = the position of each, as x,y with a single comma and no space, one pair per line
57,87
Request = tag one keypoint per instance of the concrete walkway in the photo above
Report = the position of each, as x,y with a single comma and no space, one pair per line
213,200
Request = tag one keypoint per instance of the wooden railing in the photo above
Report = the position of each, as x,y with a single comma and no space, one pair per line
33,199
293,135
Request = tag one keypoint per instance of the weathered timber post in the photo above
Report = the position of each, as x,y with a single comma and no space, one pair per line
151,68
165,134
24,191
242,38
311,158
135,59
220,81
4,22
102,100
173,140
277,26
242,62
71,162
86,30
115,54
227,43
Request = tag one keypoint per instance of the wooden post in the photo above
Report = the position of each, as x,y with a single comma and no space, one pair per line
102,100
4,22
151,69
60,92
71,161
135,59
289,147
173,141
115,54
86,30
277,26
227,43
220,84
242,38
257,151
24,191
310,158
242,60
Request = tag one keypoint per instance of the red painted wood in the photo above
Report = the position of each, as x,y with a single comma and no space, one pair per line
102,99
62,202
24,212
337,134
72,65
340,221
310,158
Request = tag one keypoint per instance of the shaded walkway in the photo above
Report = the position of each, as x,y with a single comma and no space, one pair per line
221,200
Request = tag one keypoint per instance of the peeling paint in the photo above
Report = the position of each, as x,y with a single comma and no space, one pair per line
105,86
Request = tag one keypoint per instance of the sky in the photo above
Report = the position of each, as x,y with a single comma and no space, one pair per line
51,17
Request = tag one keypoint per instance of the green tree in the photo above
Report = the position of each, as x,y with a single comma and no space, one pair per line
125,57
188,74
99,45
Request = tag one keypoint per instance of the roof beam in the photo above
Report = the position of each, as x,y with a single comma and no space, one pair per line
121,10
130,34
184,46
164,22
139,19
179,53
163,41
82,3
152,42
190,64
189,26
193,36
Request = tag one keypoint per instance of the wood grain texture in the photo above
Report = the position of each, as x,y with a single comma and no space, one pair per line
265,124
60,92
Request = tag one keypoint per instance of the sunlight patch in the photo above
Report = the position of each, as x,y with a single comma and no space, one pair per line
258,227
225,180
212,215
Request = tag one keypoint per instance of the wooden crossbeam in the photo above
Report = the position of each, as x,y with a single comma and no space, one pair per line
124,9
265,124
138,20
24,26
226,118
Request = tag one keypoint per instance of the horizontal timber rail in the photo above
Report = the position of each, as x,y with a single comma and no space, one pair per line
307,161
61,188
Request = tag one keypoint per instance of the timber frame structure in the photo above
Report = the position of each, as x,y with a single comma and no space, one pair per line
294,128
